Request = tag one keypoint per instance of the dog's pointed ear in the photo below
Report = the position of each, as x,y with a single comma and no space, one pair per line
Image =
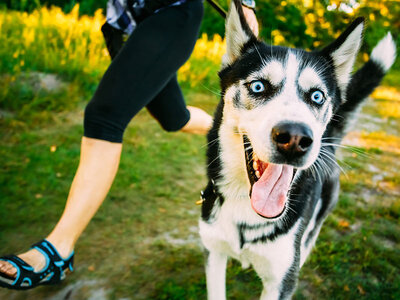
343,51
238,32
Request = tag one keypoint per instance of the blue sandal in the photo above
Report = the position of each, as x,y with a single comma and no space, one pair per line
55,270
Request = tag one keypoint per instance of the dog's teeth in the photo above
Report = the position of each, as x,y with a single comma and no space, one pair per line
255,165
258,174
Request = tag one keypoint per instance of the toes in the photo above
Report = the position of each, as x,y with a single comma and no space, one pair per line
3,266
11,271
7,269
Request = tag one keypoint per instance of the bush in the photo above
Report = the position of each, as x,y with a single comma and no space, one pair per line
299,23
87,7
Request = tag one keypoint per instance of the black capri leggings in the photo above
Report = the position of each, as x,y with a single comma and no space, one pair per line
144,74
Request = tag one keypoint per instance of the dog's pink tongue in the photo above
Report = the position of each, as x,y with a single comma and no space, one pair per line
269,192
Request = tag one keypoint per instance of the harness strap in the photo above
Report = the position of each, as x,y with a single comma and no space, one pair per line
218,8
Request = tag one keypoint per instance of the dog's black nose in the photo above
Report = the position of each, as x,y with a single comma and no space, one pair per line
292,139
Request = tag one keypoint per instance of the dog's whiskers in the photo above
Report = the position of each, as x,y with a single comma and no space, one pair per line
210,143
314,171
217,157
330,138
216,91
294,200
263,61
350,148
326,166
319,168
337,116
331,158
291,209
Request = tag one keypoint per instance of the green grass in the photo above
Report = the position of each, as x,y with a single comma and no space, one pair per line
143,243
128,249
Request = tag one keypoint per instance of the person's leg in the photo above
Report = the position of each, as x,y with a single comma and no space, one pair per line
170,110
97,168
108,114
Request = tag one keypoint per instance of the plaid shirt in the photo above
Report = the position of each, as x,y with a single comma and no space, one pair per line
119,15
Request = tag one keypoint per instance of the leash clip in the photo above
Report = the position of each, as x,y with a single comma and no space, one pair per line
202,199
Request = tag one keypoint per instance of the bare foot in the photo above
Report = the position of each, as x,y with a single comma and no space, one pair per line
200,122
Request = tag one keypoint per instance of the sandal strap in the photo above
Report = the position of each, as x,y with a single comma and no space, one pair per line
52,273
18,261
25,273
21,266
55,265
51,252
54,255
69,262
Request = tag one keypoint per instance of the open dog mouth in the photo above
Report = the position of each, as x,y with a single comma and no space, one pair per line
269,182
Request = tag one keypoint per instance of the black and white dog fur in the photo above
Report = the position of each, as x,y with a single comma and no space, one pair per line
273,177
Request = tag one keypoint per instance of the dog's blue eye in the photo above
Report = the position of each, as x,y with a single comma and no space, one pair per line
317,97
257,87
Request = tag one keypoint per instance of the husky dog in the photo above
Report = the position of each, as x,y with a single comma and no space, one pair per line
273,177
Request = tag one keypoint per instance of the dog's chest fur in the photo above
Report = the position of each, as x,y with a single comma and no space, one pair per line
249,243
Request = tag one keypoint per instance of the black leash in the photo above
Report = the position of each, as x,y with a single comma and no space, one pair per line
218,8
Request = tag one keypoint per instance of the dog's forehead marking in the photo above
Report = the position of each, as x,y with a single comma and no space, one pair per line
291,67
309,78
274,72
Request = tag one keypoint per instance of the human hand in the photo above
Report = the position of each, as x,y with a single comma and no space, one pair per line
251,19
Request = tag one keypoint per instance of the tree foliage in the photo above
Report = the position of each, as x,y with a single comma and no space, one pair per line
299,23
